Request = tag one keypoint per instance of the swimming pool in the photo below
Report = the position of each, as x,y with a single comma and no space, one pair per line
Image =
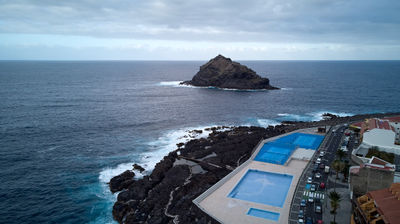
262,187
279,150
263,214
274,153
302,140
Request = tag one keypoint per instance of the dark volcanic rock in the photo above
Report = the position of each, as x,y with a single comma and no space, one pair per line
121,181
138,167
222,72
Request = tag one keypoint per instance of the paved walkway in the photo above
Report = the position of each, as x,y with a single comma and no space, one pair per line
344,212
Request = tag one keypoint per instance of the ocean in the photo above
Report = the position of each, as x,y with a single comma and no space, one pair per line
67,127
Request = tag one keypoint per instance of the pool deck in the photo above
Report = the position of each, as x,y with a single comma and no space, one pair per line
216,203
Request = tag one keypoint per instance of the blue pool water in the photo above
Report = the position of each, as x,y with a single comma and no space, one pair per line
302,140
279,150
263,214
262,187
274,153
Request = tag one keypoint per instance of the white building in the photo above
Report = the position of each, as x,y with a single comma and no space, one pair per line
382,133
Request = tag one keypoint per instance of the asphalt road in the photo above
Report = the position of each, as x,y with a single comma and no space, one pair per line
333,143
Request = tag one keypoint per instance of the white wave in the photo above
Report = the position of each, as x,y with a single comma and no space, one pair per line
157,150
167,143
286,88
178,84
108,173
267,122
312,116
294,117
170,83
317,116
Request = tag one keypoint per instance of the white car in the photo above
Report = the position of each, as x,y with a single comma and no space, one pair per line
321,154
309,180
317,175
318,161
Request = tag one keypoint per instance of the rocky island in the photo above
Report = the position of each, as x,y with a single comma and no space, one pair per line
165,196
222,72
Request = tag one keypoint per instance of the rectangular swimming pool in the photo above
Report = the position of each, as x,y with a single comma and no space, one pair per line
263,214
263,187
274,153
302,140
279,150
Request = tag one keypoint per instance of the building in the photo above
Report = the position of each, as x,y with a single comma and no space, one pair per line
378,207
383,133
372,175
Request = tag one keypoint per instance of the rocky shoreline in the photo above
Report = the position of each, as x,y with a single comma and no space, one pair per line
165,196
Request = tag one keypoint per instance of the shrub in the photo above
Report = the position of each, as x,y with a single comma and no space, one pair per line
374,151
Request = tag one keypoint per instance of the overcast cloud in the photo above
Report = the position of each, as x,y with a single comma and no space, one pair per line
182,29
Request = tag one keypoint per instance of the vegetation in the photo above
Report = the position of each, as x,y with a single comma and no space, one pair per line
374,151
335,203
346,170
338,166
341,154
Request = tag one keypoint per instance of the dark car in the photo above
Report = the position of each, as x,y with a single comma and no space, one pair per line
321,166
318,209
303,203
309,220
315,168
301,214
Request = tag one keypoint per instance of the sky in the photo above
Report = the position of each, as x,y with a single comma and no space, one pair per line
199,30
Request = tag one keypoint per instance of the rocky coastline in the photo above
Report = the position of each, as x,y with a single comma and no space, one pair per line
165,196
222,72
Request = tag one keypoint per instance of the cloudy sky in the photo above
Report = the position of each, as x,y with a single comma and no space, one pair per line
198,30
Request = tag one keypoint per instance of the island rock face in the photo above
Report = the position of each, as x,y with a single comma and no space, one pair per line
222,72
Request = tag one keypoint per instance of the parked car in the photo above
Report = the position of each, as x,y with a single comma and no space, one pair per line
309,180
301,214
301,220
315,168
313,187
309,220
322,185
318,209
321,166
321,154
303,203
326,169
317,175
318,161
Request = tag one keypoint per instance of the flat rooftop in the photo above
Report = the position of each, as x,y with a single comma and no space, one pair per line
230,202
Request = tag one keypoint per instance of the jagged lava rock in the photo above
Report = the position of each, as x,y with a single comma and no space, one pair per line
121,181
222,72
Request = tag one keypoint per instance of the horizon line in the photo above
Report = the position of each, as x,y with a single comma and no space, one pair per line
172,60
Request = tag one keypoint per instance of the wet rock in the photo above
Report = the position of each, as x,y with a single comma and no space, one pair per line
138,167
121,181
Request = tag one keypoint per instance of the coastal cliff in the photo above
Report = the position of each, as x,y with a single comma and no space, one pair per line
222,72
166,195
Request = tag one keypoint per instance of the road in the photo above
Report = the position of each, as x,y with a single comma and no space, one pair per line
333,141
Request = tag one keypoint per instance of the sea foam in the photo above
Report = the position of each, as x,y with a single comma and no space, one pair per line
312,116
